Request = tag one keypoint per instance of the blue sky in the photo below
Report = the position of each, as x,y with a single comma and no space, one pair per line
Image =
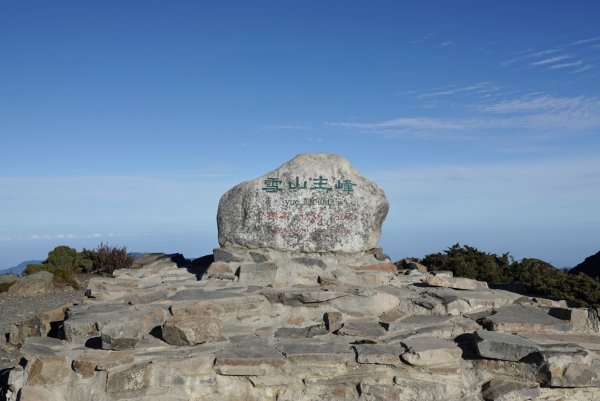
125,122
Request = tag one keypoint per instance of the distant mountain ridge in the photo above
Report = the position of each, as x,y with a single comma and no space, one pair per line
18,269
590,266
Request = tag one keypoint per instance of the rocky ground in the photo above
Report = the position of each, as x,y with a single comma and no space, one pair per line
16,309
270,326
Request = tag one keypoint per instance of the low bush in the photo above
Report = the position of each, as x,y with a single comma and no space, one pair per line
64,263
106,259
538,277
5,286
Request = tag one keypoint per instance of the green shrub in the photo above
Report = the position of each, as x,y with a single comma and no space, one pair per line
467,261
5,286
539,278
107,259
64,263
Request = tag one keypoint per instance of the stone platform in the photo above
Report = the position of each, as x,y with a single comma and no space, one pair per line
255,332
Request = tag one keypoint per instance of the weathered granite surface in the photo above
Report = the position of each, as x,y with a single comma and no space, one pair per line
312,203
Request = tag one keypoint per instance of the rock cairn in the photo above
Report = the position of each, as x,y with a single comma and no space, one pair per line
298,304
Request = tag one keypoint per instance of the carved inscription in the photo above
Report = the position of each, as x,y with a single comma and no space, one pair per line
315,215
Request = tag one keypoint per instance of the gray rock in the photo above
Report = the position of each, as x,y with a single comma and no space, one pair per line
258,257
213,303
507,347
583,320
380,354
302,296
504,390
459,283
431,351
118,342
414,389
570,365
379,255
8,278
246,361
258,274
131,379
312,203
333,320
158,260
366,304
299,332
442,273
412,265
310,262
365,331
526,319
185,331
312,351
589,342
21,330
222,271
33,284
225,255
458,302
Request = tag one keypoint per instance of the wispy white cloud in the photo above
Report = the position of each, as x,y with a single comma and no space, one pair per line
565,65
286,127
420,123
582,69
585,104
584,41
562,58
532,114
481,87
550,60
543,52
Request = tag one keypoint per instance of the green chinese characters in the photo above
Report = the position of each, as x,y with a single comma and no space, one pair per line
319,183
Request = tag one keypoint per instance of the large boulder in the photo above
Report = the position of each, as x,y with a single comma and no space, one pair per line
33,284
312,203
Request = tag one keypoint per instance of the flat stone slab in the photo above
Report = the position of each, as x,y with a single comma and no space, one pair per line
589,342
507,347
306,351
301,296
459,283
247,361
505,390
185,331
459,302
207,303
366,331
524,319
446,327
380,354
259,274
430,351
570,365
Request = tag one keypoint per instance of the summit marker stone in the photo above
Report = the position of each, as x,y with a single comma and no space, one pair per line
312,203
